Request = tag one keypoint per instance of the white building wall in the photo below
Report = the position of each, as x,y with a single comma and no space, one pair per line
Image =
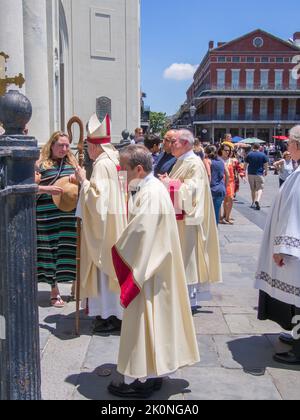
71,53
36,67
11,37
105,44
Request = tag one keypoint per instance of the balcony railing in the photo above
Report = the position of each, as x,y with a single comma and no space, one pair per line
230,117
248,88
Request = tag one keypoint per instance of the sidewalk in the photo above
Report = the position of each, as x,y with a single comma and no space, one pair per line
236,349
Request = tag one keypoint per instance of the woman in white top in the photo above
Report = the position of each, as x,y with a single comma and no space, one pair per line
285,167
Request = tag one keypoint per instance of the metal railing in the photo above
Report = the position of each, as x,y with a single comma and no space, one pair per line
244,117
229,87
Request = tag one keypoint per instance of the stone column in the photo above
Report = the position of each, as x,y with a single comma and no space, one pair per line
36,67
11,36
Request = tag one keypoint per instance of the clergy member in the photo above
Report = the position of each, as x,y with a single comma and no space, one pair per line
166,160
158,335
189,187
278,274
102,208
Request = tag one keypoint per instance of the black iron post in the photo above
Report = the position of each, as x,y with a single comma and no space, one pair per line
20,377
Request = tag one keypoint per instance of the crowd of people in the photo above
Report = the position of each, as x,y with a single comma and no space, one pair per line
149,246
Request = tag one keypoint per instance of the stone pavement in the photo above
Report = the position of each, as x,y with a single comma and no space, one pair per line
236,349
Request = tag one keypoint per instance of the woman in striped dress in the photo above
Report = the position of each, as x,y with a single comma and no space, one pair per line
56,230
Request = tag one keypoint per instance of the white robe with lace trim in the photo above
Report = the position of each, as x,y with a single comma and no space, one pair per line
282,236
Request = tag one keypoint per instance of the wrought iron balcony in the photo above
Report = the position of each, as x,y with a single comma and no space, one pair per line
256,87
250,117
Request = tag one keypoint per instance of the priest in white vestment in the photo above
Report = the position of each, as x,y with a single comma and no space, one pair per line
158,335
102,208
278,273
189,188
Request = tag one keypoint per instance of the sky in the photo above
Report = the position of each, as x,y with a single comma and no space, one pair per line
175,36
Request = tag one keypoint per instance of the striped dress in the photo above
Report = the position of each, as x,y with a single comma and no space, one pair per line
56,234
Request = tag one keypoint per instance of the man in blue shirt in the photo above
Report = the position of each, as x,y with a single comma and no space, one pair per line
166,160
257,165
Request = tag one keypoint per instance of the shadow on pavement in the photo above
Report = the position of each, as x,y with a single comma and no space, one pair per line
93,385
64,326
255,354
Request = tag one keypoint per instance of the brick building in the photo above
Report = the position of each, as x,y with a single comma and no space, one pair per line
247,87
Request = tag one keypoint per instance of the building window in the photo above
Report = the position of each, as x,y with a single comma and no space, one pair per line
221,59
264,79
279,60
264,109
220,108
235,109
293,81
235,84
250,60
278,79
249,109
236,59
258,42
292,109
249,79
264,59
277,109
221,79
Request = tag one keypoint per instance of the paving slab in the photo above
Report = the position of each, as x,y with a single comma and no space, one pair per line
208,322
102,350
61,358
208,352
225,384
287,382
249,324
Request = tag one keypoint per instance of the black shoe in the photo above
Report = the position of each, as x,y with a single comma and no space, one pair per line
116,322
158,383
286,339
257,206
288,358
104,327
134,390
99,322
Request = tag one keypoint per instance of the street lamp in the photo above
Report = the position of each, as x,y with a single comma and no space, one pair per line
193,111
279,129
277,142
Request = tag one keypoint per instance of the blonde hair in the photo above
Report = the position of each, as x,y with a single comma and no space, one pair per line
46,161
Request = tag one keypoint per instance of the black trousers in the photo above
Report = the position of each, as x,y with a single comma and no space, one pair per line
280,312
296,348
